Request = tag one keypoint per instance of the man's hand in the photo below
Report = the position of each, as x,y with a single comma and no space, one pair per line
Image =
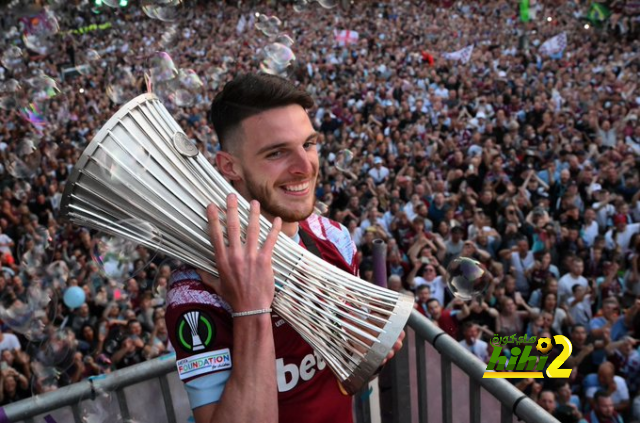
246,274
396,347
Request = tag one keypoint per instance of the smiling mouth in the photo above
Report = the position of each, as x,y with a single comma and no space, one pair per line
299,188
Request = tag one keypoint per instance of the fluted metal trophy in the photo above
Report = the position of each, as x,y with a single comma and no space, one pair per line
141,165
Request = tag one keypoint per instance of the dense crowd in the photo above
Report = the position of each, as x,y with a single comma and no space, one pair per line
525,162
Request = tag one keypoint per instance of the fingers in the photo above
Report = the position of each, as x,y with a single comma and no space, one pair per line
215,234
233,222
253,230
270,242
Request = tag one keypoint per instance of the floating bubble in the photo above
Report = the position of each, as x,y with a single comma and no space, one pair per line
343,160
121,87
285,39
301,6
169,37
9,103
216,76
53,355
269,66
44,24
190,84
36,44
166,11
162,70
111,3
268,25
12,86
116,256
29,318
467,278
327,4
279,53
57,274
12,58
86,61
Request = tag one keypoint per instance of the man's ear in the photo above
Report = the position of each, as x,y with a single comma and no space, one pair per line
228,167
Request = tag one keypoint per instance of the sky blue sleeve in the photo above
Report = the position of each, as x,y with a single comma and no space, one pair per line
207,389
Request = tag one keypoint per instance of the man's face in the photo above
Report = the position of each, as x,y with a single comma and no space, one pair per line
578,267
276,162
547,401
434,310
605,406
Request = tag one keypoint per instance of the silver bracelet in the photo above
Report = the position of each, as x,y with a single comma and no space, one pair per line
251,312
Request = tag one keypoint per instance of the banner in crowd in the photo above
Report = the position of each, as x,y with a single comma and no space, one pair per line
89,28
554,45
598,13
524,10
463,55
346,36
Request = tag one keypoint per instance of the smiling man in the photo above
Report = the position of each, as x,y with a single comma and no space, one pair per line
239,361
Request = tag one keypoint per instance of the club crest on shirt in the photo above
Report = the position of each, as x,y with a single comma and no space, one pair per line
195,331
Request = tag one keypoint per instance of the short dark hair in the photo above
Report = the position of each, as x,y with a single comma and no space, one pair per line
248,95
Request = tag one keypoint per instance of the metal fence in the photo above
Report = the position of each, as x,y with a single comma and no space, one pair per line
432,379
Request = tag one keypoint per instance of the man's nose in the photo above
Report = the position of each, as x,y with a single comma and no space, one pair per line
301,163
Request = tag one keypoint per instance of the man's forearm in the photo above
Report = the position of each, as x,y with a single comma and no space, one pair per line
251,394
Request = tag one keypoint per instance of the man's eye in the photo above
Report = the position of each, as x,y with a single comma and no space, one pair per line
274,154
309,145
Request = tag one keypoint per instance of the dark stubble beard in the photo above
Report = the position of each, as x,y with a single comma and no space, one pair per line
269,206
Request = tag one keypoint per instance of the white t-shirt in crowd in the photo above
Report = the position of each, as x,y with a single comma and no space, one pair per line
589,233
618,396
9,342
479,349
436,286
623,238
566,283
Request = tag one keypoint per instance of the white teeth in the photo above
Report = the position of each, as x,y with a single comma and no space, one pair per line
296,188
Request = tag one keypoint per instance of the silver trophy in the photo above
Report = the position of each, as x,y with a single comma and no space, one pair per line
141,165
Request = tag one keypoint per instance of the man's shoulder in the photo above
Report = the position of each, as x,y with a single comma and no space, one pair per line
187,289
327,231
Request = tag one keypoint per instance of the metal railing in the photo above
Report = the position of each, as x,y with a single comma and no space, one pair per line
432,379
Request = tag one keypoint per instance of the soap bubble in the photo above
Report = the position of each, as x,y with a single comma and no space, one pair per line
279,53
122,86
467,278
285,39
117,256
12,58
343,160
57,274
166,11
216,76
170,37
36,44
30,318
301,6
41,25
327,4
271,67
86,61
268,25
111,3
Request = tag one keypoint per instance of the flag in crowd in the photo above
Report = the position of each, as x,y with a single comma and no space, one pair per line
598,13
524,10
346,36
554,45
242,24
463,55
